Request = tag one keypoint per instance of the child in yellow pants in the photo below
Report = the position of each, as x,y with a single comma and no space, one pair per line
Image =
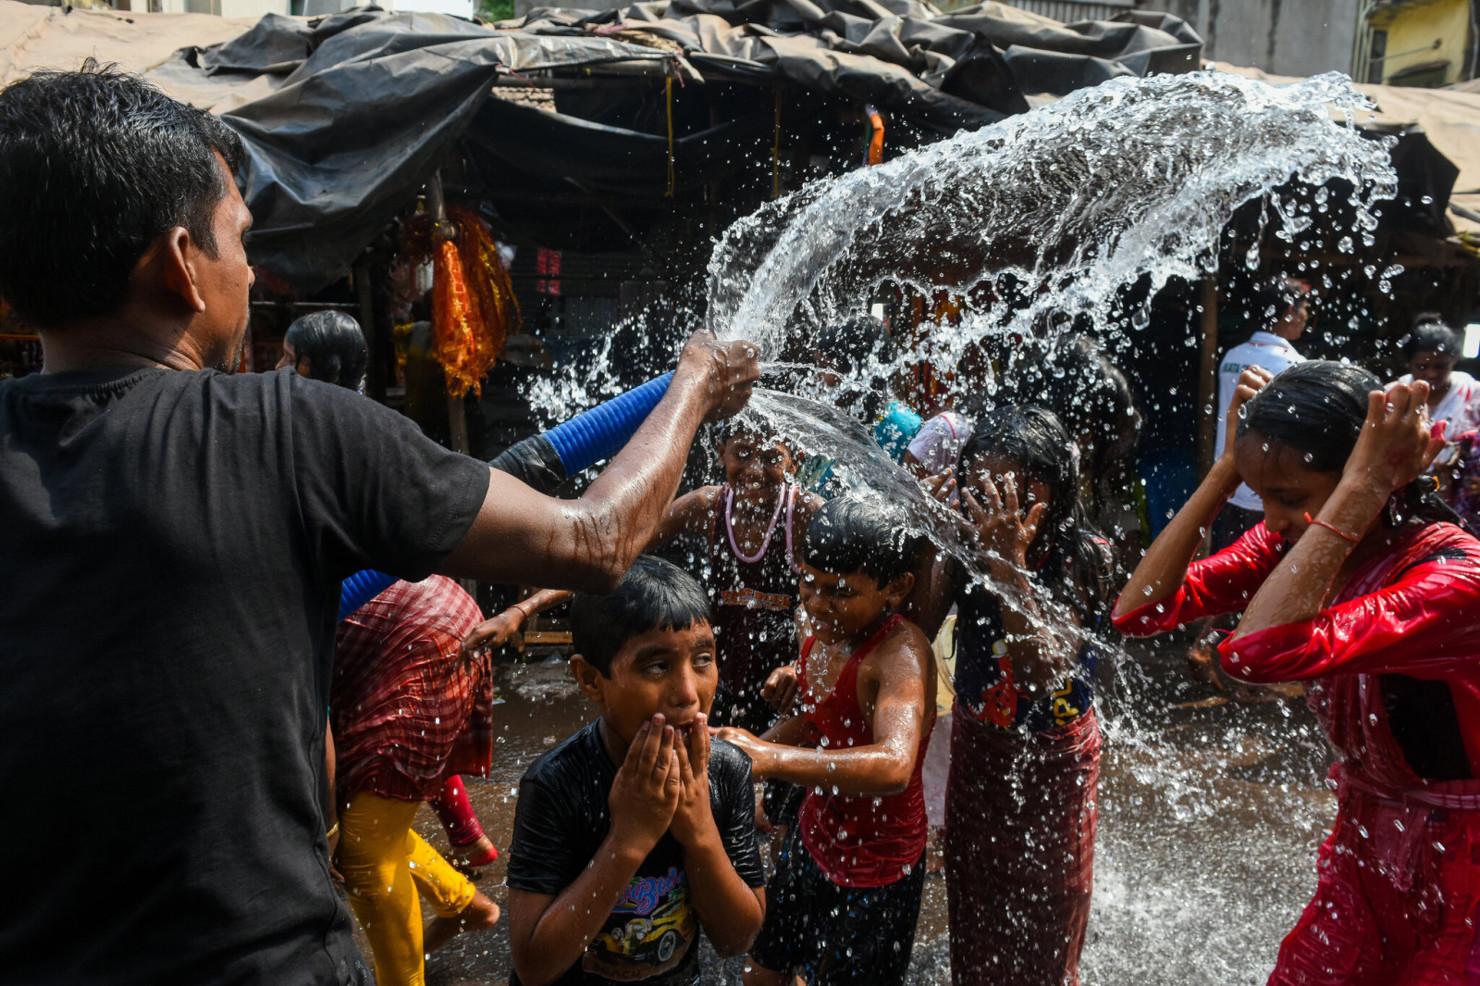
385,864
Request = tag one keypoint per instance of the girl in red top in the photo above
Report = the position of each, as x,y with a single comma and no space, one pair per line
1347,585
846,893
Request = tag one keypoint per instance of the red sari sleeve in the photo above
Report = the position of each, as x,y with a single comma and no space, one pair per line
1421,624
1221,583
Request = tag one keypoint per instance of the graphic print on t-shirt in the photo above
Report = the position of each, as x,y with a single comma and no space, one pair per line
649,931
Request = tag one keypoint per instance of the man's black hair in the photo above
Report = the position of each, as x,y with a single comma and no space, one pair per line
334,345
1430,334
1272,298
93,166
851,535
653,595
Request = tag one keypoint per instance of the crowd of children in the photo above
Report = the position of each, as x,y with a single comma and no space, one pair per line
798,653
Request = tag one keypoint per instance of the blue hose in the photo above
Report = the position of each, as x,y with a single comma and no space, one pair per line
582,441
360,588
601,432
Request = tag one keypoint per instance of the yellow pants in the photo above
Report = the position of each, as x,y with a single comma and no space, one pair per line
385,864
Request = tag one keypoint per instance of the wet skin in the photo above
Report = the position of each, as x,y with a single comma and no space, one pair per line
842,609
663,672
896,688
1289,488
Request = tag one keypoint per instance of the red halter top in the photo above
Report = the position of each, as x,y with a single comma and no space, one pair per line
860,840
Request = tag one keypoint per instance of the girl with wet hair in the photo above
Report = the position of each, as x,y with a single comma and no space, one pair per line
1353,585
1025,743
327,345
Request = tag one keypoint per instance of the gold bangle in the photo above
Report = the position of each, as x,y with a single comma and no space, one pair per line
333,831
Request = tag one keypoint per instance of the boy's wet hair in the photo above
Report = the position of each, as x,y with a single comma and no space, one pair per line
653,595
851,535
1272,298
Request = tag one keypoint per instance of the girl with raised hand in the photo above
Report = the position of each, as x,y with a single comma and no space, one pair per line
1354,585
1025,743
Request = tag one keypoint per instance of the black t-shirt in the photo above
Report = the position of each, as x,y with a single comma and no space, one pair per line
171,547
562,818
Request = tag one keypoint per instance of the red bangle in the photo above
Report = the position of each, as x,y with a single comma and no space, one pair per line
1347,536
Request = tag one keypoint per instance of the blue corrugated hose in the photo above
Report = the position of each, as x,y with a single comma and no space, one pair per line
582,441
601,432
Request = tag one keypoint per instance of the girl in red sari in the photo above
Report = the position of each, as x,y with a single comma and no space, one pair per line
1349,586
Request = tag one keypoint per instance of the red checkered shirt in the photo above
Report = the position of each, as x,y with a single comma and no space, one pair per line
407,708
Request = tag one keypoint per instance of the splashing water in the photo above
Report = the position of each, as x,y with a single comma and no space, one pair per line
1043,220
1079,200
1078,214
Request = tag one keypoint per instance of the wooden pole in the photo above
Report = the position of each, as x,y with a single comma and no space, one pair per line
374,354
1207,379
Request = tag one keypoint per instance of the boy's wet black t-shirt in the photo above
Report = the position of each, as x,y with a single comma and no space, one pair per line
170,555
563,817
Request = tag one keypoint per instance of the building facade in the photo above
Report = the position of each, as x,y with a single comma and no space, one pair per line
1426,43
1283,37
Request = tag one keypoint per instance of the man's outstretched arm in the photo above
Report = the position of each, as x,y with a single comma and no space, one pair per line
520,535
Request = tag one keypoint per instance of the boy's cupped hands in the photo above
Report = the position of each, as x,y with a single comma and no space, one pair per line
663,785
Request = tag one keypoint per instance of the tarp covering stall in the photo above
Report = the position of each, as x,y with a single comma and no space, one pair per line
1448,119
345,117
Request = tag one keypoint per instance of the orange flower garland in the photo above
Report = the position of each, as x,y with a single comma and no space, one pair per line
473,304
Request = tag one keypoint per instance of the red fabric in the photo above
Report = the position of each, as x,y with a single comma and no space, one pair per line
455,811
1410,612
1399,877
406,707
1223,582
1397,902
860,840
1020,850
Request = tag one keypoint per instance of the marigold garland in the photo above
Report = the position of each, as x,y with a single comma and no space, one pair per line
473,305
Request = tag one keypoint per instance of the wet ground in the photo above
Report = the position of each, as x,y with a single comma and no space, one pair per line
1210,815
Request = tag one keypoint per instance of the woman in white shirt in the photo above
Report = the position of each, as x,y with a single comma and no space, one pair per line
1431,349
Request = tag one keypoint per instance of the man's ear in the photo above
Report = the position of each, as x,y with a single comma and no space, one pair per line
172,255
588,679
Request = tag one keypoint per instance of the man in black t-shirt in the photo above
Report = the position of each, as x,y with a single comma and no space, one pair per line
635,832
172,540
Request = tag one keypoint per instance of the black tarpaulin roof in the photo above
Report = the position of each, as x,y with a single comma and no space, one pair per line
346,117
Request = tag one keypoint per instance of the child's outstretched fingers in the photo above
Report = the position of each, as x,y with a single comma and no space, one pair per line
780,687
1034,518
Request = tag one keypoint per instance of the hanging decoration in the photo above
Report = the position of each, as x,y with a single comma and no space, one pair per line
473,305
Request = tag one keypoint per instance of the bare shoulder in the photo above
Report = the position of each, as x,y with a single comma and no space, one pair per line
695,503
905,650
809,503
